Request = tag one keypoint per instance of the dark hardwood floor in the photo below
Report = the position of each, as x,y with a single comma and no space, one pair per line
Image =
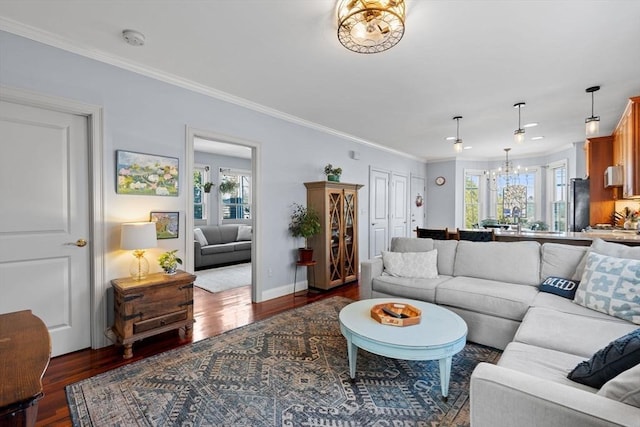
215,313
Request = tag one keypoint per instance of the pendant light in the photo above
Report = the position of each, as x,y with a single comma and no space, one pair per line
457,145
518,134
592,123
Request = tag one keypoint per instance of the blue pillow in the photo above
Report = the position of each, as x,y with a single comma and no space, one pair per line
556,285
607,363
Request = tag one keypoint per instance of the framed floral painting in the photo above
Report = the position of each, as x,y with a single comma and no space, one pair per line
167,224
146,174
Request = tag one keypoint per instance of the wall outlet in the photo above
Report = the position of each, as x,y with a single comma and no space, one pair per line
269,272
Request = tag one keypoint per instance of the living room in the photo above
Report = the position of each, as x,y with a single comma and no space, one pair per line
139,106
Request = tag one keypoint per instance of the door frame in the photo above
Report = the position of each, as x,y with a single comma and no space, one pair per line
95,173
256,191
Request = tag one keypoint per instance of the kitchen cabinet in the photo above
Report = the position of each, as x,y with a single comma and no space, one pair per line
626,148
336,247
599,156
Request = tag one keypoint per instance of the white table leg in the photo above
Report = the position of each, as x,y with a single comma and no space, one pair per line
445,374
352,352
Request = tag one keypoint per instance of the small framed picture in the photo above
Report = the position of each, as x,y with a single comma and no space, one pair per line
167,224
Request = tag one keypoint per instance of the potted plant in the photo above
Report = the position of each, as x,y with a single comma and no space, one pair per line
333,174
169,261
207,187
227,187
305,222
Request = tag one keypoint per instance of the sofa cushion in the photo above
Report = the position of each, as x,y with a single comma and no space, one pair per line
240,246
411,264
510,262
199,236
245,232
611,285
212,234
560,260
216,249
566,288
486,296
542,363
446,255
420,289
556,330
608,362
624,388
411,244
228,233
557,303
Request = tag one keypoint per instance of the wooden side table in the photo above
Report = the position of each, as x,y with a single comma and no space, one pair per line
150,306
25,348
295,275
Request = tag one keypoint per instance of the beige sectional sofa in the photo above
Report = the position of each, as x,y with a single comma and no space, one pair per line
493,286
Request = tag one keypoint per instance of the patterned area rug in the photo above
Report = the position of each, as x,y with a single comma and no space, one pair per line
288,370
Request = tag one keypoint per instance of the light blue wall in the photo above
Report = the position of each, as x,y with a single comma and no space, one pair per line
146,115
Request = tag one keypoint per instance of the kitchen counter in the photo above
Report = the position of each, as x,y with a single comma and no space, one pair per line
584,238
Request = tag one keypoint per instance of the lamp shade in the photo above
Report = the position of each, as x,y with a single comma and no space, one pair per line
138,235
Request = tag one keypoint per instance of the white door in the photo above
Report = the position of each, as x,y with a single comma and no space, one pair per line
378,212
399,212
416,201
44,186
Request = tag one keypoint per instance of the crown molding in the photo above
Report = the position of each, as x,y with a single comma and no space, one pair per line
54,40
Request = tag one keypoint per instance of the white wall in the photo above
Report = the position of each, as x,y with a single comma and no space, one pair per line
146,115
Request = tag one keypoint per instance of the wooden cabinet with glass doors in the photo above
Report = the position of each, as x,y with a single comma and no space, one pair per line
335,249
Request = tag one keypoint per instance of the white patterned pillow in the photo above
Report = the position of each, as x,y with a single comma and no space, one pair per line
611,285
422,265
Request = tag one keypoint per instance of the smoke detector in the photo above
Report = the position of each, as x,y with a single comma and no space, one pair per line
133,37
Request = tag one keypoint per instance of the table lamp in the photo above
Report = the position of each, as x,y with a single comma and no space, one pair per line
138,236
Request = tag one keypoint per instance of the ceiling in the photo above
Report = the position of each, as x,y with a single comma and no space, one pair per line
469,58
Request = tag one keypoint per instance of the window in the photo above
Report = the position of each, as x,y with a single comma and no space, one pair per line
516,198
557,179
200,176
473,195
235,189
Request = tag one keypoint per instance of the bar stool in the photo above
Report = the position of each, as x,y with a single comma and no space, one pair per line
295,275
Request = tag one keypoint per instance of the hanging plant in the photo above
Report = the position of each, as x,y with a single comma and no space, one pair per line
227,187
207,187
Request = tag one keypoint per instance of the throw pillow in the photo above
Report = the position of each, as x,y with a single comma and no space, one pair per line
609,362
565,288
244,232
602,247
422,265
611,285
624,388
199,236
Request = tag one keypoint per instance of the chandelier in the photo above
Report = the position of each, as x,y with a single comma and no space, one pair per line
370,26
514,194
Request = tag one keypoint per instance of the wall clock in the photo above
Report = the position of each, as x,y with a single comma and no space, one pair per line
440,180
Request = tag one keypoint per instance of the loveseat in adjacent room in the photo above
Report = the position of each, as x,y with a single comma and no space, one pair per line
216,245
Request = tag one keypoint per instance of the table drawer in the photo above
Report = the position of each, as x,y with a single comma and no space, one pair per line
158,322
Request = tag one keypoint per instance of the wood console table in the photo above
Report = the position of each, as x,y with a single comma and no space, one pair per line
25,349
150,306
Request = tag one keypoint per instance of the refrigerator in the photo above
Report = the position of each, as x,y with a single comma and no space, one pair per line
579,204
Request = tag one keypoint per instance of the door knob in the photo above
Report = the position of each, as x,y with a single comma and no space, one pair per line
81,243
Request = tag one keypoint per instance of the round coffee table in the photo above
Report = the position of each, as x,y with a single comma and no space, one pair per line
440,334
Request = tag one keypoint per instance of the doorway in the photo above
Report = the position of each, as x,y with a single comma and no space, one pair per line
227,159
